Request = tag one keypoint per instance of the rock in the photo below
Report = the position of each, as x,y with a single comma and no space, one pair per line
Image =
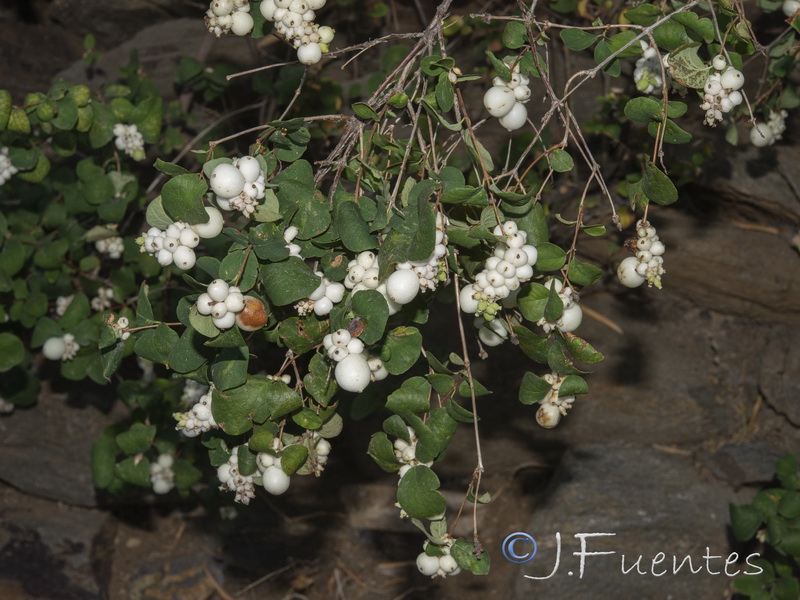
652,502
742,464
46,449
778,379
46,548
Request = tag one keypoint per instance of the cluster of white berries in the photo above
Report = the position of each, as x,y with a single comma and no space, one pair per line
648,264
552,407
572,315
119,326
406,452
506,99
197,419
162,477
502,275
766,134
354,369
438,566
721,90
322,449
103,299
62,304
400,288
288,236
433,270
238,185
129,140
113,246
229,16
322,300
177,242
273,478
647,73
232,479
294,22
61,348
7,170
222,302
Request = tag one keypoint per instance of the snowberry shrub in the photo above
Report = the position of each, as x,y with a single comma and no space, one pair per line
260,285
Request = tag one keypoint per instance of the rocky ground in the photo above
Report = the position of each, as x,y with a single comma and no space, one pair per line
697,399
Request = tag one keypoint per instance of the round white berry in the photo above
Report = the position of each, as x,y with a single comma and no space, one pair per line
468,303
325,34
184,257
315,5
761,135
249,167
402,286
427,565
164,257
323,448
627,273
275,481
224,473
226,180
234,302
341,337
265,460
548,415
214,226
353,373
522,93
499,101
732,79
222,7
309,54
54,348
570,319
719,62
161,486
268,9
489,337
323,306
447,564
790,7
516,117
355,346
218,290
225,322
334,292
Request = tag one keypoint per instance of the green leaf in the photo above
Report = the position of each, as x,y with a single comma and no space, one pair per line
531,344
370,306
557,359
625,38
644,14
365,111
156,344
313,216
110,359
186,475
464,553
445,97
137,473
479,153
403,345
671,35
240,261
533,389
254,402
789,506
104,453
66,115
288,281
308,419
672,134
169,168
643,109
156,216
583,274
229,369
418,495
572,386
459,413
381,450
532,300
515,35
188,353
12,351
353,229
576,39
137,439
601,53
550,257
413,396
702,27
687,68
503,72
561,161
658,187
182,198
554,307
147,118
293,457
5,108
745,521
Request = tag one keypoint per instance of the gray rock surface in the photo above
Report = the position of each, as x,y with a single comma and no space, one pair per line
653,502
